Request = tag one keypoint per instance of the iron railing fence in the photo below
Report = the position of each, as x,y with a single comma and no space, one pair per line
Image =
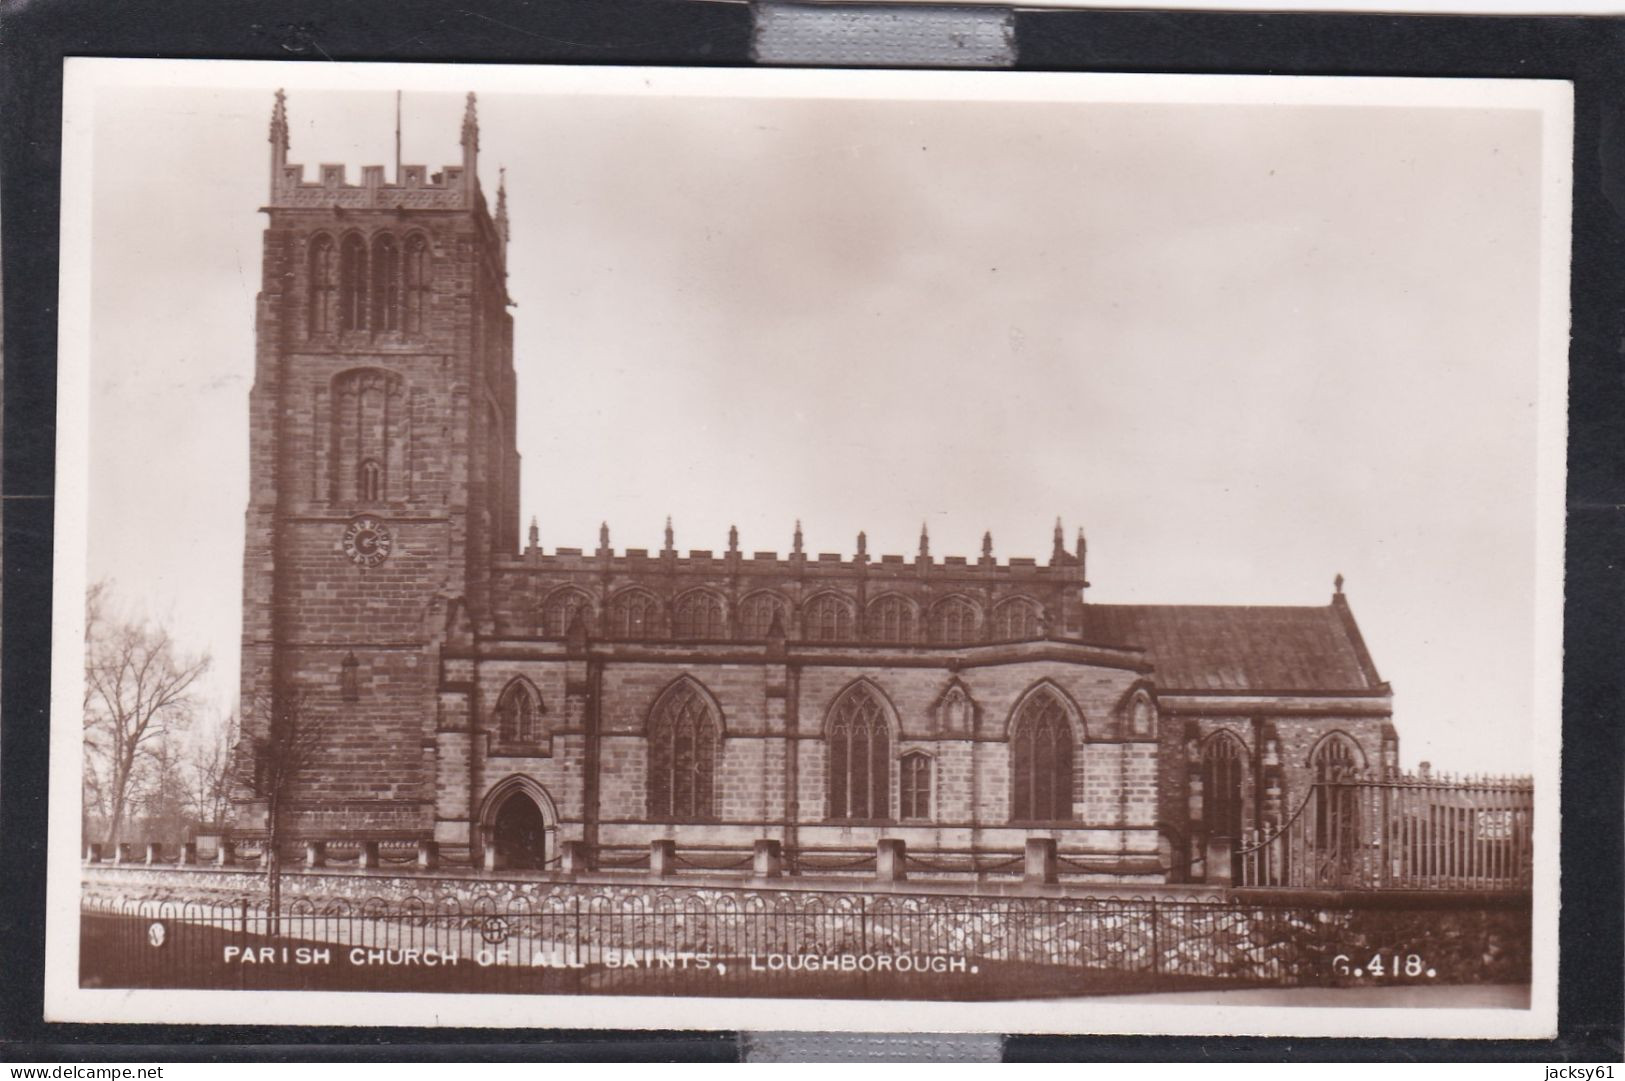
760,943
1399,833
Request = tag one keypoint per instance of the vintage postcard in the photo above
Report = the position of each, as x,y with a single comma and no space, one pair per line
776,549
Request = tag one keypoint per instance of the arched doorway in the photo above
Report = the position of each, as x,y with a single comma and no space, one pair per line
519,833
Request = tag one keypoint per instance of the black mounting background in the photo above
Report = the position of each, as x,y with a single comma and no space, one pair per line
35,37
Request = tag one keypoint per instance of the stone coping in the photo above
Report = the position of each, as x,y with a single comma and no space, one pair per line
402,881
410,881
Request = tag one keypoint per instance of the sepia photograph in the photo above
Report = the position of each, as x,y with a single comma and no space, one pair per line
808,549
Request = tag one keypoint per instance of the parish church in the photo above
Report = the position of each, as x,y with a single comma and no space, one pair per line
465,689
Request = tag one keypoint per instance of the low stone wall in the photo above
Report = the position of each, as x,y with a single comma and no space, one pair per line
1166,933
141,882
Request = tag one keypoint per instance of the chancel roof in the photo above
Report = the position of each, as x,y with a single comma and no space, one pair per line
1241,647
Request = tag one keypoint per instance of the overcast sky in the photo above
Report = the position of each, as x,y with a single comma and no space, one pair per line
1245,347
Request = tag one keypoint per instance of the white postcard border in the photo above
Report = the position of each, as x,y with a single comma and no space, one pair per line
85,78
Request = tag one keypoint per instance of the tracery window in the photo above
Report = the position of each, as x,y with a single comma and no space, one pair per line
386,284
953,621
323,299
560,610
365,414
635,614
353,284
914,785
417,283
827,618
859,744
519,714
1336,761
1222,763
1041,761
369,481
682,755
756,614
1018,619
891,619
698,616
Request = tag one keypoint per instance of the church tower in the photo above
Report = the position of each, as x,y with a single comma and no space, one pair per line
385,479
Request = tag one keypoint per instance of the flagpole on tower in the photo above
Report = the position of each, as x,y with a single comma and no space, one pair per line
397,137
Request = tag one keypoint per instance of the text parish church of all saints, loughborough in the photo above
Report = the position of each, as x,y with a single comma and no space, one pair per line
503,701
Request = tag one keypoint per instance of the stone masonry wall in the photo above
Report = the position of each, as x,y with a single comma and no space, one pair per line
1114,802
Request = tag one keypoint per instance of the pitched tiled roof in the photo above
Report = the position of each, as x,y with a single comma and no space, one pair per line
1240,647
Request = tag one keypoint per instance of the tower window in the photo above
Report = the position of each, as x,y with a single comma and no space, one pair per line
353,284
417,283
682,755
859,758
1041,761
386,284
914,777
323,280
369,481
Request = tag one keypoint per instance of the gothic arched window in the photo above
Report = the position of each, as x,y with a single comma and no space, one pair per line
683,748
953,621
1041,761
859,744
756,614
1018,619
417,283
891,619
353,284
519,714
1223,760
324,276
1336,763
698,616
369,481
365,416
634,614
560,609
386,284
827,618
914,785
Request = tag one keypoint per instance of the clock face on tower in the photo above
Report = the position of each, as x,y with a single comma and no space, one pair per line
366,541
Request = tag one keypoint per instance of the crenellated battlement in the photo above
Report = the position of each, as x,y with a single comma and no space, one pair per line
416,189
643,594
709,562
453,187
1062,566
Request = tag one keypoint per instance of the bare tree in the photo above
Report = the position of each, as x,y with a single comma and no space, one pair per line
138,690
208,772
289,739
